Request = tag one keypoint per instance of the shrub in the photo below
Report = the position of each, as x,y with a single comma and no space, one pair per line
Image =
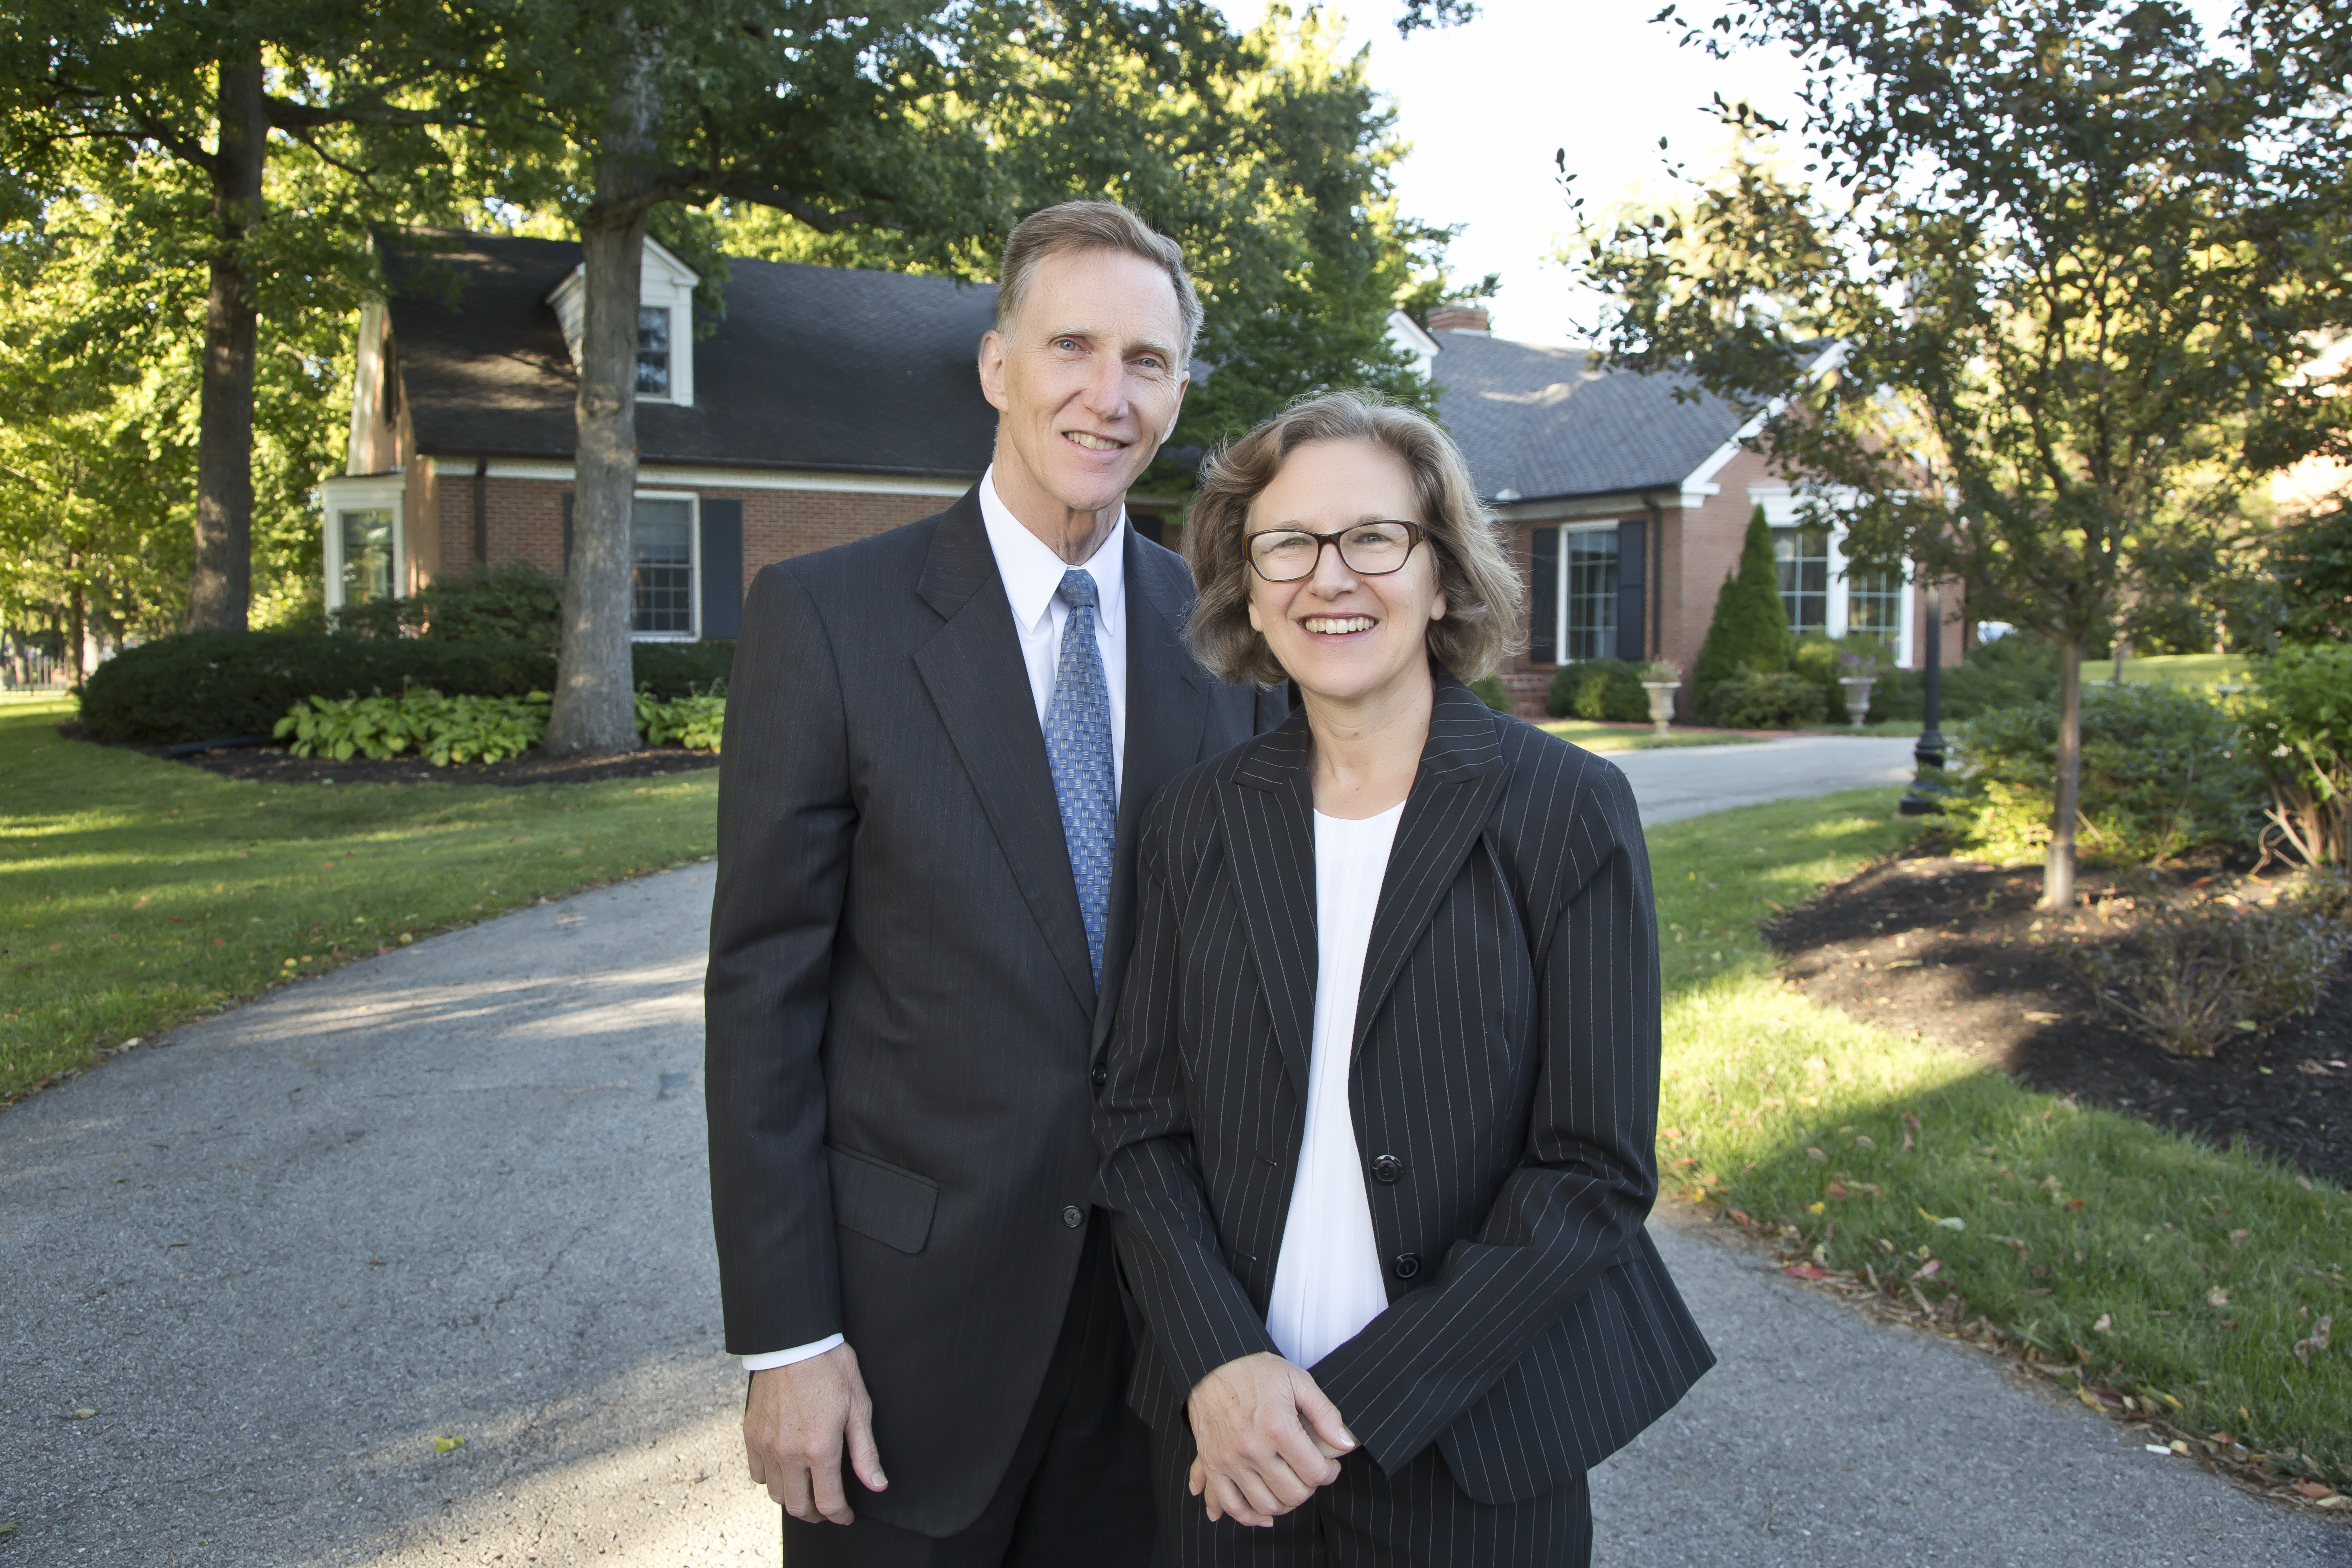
1750,628
2163,771
693,723
1599,689
444,729
209,685
212,685
2298,723
514,603
2194,975
1766,700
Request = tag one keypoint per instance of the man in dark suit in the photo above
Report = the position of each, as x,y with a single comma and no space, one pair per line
938,743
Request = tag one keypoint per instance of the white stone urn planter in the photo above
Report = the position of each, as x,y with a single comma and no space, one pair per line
1857,697
1662,703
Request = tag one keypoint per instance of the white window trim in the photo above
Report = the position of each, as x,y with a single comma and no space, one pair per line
664,282
694,567
370,492
1559,595
1781,511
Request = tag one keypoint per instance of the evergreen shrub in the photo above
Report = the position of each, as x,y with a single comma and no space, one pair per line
1599,689
1766,700
1750,628
2164,770
514,603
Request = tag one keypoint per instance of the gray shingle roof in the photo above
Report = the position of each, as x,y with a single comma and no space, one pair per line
813,367
1543,422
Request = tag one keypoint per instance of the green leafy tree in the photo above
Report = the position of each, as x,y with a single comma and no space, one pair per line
1750,628
2311,561
175,111
2073,259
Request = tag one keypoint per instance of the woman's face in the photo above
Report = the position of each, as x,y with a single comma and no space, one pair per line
1343,636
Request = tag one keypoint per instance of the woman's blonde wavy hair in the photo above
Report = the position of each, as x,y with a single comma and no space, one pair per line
1483,594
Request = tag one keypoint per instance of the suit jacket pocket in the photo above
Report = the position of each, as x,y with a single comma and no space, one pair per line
873,1199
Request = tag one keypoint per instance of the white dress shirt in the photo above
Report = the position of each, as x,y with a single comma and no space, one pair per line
1033,576
1326,1279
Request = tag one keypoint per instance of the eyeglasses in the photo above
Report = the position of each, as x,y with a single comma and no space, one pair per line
1368,550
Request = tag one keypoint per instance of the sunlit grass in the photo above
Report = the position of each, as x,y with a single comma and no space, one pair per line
2159,1264
135,894
1596,737
2170,669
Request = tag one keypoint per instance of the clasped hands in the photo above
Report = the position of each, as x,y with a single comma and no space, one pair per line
1266,1438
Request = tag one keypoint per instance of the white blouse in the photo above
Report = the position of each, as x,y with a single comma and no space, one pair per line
1328,1282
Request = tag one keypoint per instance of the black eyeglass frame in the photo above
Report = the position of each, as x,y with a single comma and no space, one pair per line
1418,533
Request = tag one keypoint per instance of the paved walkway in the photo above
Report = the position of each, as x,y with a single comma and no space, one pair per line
256,1278
1685,781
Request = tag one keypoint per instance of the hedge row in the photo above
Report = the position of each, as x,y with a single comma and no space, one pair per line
209,685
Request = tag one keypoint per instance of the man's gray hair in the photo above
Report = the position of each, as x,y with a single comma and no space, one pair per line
1094,225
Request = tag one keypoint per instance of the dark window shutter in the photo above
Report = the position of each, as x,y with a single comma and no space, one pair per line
722,569
1632,574
1543,613
567,530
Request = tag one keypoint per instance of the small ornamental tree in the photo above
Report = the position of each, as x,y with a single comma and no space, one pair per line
1750,629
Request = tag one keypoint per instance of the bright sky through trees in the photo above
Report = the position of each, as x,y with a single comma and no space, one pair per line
1484,105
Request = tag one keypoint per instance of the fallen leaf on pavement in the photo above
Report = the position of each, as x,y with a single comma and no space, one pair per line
1805,1271
447,1445
2314,1490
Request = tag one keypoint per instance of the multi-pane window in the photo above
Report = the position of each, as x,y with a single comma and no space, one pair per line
1589,593
662,567
653,351
1874,604
1803,558
367,555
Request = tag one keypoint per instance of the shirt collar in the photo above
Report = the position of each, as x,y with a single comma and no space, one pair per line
1032,572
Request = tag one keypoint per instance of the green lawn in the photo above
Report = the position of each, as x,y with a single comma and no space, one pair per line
2170,669
1595,737
136,894
2162,1268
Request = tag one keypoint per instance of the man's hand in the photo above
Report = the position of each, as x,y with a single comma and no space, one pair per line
794,1426
1267,1438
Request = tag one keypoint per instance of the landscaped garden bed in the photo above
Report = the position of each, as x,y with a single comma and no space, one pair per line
276,764
1955,951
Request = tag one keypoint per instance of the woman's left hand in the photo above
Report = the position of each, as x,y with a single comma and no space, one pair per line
1267,1436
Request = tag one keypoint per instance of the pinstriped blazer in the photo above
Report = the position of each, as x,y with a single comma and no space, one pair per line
1503,1086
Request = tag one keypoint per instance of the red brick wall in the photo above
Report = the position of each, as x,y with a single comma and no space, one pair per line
779,524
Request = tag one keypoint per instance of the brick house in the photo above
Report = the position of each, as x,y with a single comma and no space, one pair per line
830,403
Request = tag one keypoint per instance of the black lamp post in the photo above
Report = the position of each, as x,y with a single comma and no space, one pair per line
1927,787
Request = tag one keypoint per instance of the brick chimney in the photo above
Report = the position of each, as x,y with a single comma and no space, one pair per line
1458,316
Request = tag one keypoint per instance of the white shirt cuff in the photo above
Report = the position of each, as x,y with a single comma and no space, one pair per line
770,1359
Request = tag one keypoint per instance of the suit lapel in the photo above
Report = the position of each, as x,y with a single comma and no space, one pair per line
1461,773
1268,812
973,668
1167,713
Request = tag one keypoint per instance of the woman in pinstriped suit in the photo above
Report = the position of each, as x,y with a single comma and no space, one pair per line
1378,1108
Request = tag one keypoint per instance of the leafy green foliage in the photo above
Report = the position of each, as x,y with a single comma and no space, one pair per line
1750,628
514,603
2164,770
1766,700
2299,722
443,730
2073,261
2312,559
668,669
695,722
1599,689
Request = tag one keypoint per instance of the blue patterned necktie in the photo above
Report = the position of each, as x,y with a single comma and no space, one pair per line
1077,747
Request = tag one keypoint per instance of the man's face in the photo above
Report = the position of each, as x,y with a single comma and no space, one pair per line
1088,379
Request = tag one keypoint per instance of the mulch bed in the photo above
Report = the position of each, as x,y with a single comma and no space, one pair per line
1952,950
274,764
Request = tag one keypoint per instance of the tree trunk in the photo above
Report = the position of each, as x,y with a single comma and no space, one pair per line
594,713
220,587
77,631
2058,869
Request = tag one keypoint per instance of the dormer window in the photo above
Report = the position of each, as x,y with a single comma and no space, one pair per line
664,323
653,351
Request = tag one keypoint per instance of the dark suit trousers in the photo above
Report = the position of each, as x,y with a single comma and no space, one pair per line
1079,1490
1415,1519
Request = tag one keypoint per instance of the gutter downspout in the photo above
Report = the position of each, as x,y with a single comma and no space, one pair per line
481,512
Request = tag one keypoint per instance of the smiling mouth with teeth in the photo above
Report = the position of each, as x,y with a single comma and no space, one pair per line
1334,627
1093,443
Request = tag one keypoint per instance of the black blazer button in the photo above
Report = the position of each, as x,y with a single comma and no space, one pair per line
1408,1264
1073,1217
1101,1075
1386,1169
